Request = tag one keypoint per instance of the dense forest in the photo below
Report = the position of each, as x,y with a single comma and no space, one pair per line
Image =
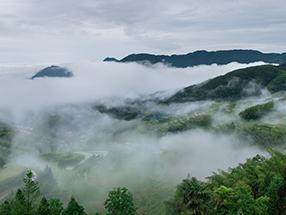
256,187
28,200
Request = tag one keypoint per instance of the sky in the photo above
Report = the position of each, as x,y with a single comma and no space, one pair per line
62,31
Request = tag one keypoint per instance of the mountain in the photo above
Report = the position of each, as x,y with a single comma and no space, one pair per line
111,59
204,58
53,71
235,85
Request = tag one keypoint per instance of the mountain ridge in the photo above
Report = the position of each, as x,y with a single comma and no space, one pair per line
235,85
203,57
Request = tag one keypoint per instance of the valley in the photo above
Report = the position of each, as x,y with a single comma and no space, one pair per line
148,144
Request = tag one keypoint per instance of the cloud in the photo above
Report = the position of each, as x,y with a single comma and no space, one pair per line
95,81
55,115
69,30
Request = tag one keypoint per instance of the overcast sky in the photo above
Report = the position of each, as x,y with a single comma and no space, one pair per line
52,31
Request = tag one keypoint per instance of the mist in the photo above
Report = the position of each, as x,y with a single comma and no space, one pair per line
57,115
97,80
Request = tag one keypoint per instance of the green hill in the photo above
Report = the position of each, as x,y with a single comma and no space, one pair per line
235,85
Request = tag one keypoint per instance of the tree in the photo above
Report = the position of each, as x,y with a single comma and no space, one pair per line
31,190
19,204
5,208
272,191
239,200
44,208
221,199
56,206
74,208
120,202
193,196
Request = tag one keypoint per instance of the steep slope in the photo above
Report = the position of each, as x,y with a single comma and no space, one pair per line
236,85
204,58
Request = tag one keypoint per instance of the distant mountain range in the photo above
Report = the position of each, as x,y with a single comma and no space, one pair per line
203,58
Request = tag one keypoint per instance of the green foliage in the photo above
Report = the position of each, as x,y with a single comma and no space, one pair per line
275,184
120,202
56,206
192,197
264,134
238,200
19,204
25,202
122,112
278,83
44,208
257,111
182,123
5,208
31,190
74,208
255,187
234,85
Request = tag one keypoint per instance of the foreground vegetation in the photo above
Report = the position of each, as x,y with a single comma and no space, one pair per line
29,201
257,187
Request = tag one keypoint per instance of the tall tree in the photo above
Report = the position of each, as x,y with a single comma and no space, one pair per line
120,202
56,206
31,190
44,207
5,208
19,204
74,208
193,197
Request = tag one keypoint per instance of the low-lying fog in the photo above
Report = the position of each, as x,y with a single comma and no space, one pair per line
56,115
99,80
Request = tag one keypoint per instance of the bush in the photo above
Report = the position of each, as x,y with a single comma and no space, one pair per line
257,111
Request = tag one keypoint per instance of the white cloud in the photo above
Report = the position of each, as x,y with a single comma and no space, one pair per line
37,31
93,81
